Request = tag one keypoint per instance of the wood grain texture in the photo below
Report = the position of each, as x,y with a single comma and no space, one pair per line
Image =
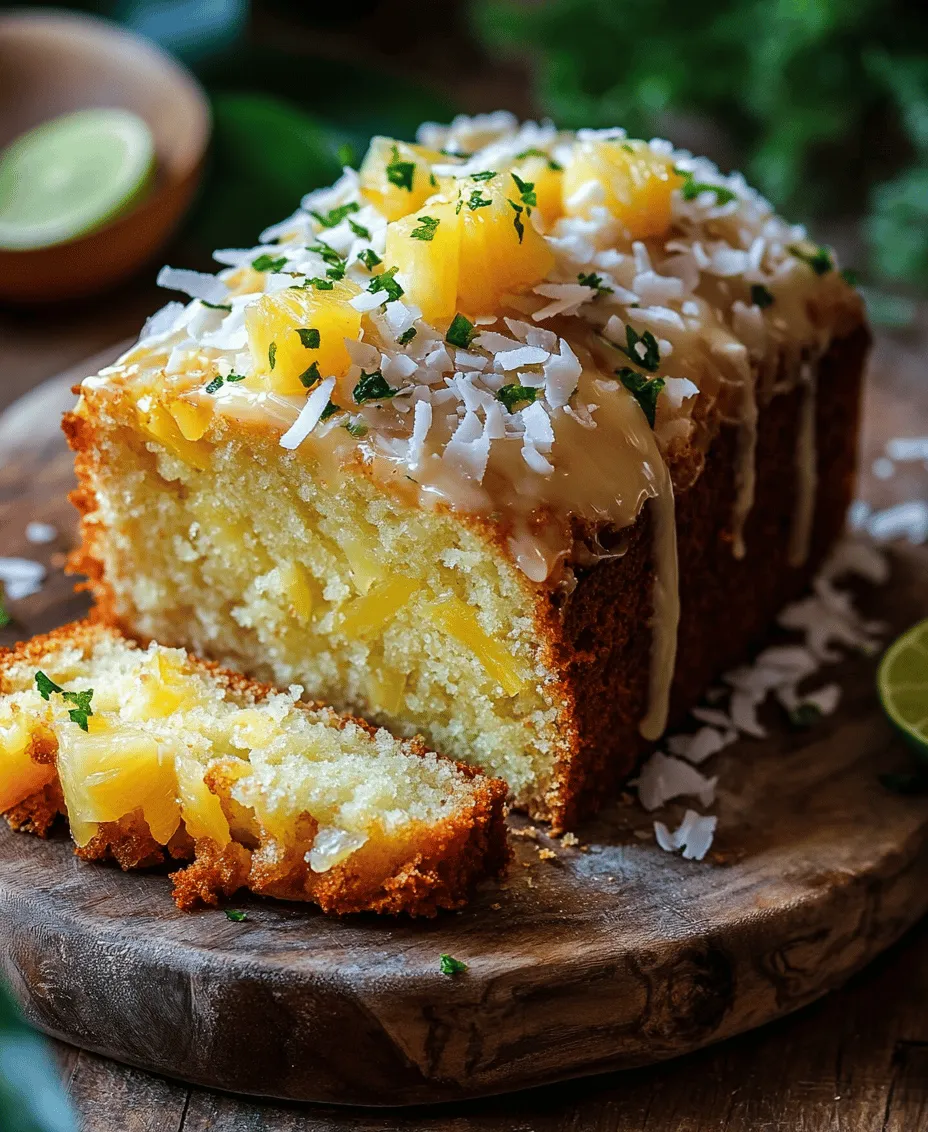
603,958
852,1062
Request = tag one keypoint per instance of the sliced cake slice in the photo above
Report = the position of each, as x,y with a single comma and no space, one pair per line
152,753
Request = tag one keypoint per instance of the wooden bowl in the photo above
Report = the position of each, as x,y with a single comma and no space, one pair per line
55,62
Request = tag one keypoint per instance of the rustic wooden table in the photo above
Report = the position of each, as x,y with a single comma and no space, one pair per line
858,1060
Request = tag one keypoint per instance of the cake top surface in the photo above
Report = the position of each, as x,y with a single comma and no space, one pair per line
505,318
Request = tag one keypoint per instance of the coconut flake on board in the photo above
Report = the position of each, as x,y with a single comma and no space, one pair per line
830,623
21,577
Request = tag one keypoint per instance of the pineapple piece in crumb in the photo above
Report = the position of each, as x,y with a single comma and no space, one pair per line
158,424
501,252
453,617
297,336
425,248
191,417
21,774
396,177
369,614
637,184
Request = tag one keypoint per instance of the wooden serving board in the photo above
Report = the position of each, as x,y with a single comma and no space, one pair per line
611,954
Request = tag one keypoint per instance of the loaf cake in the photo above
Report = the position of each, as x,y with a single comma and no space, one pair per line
153,754
513,438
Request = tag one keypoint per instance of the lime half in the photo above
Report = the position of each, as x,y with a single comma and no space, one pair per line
72,174
902,680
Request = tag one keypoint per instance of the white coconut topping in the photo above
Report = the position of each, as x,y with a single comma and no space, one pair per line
309,415
694,835
40,532
21,577
827,619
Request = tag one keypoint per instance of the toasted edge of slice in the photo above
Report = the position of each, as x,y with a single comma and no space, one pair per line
432,865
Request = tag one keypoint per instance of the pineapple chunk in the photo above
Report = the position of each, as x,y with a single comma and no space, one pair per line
162,690
637,184
428,267
371,613
200,808
385,690
536,170
396,177
192,418
273,323
163,428
298,587
20,775
454,617
361,552
494,260
105,776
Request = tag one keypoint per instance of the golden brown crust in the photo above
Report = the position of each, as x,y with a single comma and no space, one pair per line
440,869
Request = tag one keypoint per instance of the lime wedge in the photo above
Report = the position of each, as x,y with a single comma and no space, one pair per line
72,174
902,681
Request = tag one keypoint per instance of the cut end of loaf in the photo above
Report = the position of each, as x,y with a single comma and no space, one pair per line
154,755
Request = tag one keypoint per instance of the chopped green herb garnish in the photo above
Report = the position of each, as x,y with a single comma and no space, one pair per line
649,356
385,281
335,272
407,336
850,276
330,255
235,916
804,715
346,155
456,153
533,152
216,306
329,411
5,617
819,259
486,175
215,385
526,191
761,296
645,390
517,219
593,280
46,686
310,337
269,263
433,180
461,332
336,215
448,965
356,428
512,395
82,710
400,173
359,230
272,355
369,258
236,377
426,229
319,284
691,188
475,201
372,387
311,376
